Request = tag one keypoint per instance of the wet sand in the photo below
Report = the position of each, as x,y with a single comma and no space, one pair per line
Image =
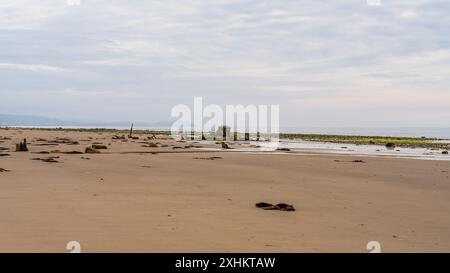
179,201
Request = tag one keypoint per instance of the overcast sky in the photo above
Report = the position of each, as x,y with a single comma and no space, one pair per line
326,63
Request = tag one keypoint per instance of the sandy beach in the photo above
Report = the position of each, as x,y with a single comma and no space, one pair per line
136,198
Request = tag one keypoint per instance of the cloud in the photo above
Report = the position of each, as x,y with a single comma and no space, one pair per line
95,93
34,67
163,53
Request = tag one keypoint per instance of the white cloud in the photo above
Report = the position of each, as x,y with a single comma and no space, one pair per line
29,14
323,52
34,67
113,62
95,93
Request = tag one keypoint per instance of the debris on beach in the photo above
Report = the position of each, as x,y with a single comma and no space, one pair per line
22,146
445,152
353,161
130,135
60,152
66,141
4,155
150,145
90,150
359,161
4,170
46,144
209,158
280,206
390,145
50,159
225,146
283,149
284,207
264,205
119,137
72,153
99,147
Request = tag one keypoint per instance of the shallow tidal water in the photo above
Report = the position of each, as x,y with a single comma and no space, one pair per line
365,150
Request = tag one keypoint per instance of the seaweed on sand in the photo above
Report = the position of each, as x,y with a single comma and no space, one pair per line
50,159
280,206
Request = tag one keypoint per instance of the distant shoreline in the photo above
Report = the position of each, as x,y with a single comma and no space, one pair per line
407,142
403,132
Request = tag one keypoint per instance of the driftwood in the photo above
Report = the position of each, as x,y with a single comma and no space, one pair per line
51,159
280,206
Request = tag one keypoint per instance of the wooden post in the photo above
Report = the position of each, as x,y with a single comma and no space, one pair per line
131,131
22,146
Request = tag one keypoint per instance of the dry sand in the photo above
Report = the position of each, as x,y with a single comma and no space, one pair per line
171,202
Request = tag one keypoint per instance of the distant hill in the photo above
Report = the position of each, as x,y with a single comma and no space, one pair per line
37,121
16,120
